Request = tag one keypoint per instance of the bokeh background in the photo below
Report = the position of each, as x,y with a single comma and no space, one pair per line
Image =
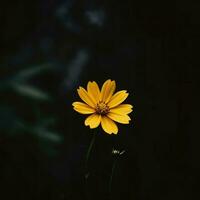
49,48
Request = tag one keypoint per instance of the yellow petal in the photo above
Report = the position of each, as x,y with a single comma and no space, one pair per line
108,125
123,119
122,109
83,108
104,89
86,97
107,90
93,91
117,98
93,121
111,91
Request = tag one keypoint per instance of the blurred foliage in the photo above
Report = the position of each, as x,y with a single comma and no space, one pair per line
20,86
47,51
41,66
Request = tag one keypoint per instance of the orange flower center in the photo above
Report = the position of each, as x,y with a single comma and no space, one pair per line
102,108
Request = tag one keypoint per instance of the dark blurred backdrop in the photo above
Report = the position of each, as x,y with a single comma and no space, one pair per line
49,48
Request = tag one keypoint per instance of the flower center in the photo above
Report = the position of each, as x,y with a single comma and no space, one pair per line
102,108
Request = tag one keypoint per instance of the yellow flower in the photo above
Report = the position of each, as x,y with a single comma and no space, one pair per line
104,107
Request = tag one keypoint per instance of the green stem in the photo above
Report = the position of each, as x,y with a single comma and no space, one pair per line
89,152
112,173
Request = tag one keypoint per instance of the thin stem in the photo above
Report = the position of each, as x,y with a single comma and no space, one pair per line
111,175
89,151
86,163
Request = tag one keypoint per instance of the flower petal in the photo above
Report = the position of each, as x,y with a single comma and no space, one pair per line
108,125
86,97
104,89
107,90
93,91
111,91
83,108
123,119
122,109
118,98
93,121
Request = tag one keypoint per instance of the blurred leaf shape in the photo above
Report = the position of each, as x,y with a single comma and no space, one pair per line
42,133
75,67
50,136
30,91
28,73
96,17
40,130
47,122
65,15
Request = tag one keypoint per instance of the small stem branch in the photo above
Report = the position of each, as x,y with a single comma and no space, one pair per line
111,175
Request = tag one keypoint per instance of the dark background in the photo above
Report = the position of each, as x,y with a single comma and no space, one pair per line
49,48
